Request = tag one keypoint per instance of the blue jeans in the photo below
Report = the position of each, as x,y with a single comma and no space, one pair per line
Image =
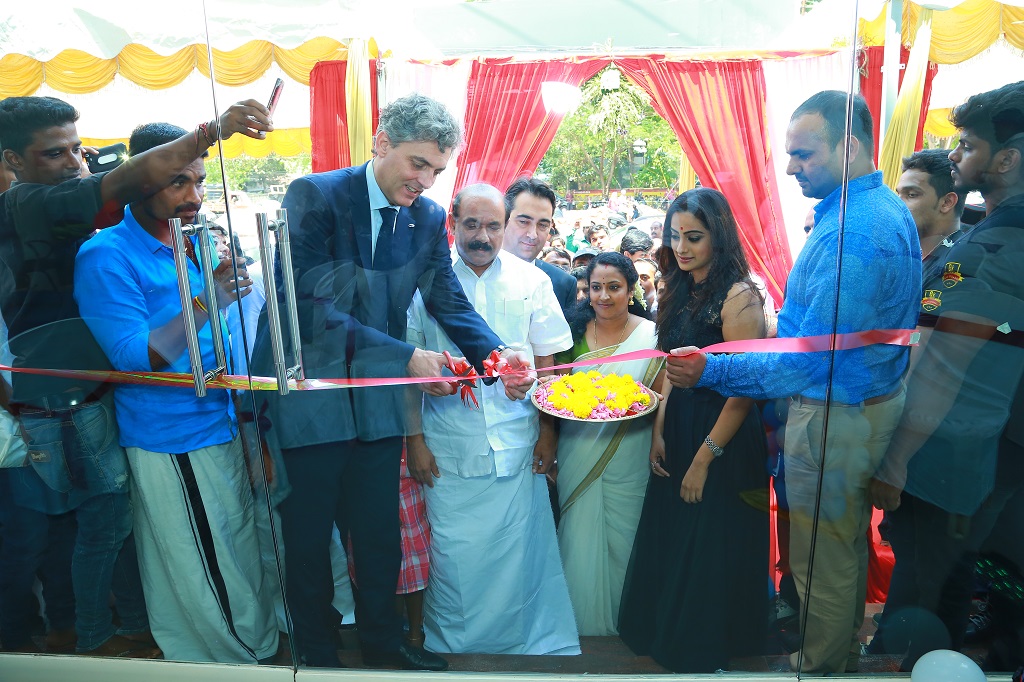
76,450
34,545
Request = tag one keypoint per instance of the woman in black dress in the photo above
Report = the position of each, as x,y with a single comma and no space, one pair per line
696,593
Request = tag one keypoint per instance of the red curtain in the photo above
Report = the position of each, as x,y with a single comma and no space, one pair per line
717,111
328,123
508,129
871,87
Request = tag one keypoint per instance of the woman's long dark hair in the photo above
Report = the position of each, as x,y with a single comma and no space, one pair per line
728,264
580,315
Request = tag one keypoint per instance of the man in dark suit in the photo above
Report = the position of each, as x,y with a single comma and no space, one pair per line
529,214
363,241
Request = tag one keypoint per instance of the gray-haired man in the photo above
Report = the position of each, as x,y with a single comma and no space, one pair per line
363,242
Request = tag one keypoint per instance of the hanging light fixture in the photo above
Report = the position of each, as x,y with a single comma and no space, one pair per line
610,79
560,98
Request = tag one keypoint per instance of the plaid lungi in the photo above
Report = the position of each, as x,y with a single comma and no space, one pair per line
412,517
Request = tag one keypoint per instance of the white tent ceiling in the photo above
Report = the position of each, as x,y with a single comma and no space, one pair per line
423,29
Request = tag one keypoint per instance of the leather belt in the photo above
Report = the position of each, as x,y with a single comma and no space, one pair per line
870,401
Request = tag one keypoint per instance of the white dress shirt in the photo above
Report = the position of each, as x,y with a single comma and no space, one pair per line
517,301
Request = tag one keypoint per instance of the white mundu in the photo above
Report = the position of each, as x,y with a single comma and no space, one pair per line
496,581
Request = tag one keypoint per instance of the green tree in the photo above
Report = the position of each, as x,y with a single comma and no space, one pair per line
246,172
661,167
592,147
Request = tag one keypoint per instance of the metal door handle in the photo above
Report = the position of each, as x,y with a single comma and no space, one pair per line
282,369
179,232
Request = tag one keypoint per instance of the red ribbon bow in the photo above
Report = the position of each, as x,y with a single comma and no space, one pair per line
466,382
495,365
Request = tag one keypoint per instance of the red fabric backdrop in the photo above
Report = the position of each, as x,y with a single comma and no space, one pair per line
328,122
507,127
716,109
871,87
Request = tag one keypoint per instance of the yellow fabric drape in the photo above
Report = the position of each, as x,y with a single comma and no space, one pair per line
141,65
901,136
287,142
962,32
958,34
357,102
937,123
687,178
238,67
299,62
77,72
20,76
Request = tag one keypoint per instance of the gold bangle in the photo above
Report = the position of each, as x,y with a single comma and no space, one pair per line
199,304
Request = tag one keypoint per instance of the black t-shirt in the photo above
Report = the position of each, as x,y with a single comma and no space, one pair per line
41,230
933,263
981,280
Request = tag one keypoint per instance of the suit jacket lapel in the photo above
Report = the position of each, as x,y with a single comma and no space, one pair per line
360,205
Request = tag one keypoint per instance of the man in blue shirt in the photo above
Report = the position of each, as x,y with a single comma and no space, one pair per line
860,270
193,503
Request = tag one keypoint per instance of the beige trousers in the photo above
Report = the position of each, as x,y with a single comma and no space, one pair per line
856,438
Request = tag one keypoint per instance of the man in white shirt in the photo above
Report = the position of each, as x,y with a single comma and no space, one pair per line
496,581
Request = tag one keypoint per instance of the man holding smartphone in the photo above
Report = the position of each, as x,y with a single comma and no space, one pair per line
68,424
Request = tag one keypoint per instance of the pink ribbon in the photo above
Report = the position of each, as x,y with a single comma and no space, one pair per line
807,344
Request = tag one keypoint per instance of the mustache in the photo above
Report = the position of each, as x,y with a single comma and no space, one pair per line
187,207
477,245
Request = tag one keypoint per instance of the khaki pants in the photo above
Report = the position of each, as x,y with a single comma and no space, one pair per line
856,439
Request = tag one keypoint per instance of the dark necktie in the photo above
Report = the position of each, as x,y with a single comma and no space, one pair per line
379,304
385,238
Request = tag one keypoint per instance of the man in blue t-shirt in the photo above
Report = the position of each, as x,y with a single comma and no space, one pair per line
194,524
860,270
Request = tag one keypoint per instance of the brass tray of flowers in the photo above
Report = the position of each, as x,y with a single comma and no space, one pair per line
595,397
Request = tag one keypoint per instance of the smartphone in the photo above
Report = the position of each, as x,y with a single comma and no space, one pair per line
107,158
275,95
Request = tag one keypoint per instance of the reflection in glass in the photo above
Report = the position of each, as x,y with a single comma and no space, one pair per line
76,466
955,532
953,471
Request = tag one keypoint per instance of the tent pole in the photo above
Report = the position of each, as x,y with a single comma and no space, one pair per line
890,67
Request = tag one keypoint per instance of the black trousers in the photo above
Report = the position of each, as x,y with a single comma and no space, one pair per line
932,583
354,484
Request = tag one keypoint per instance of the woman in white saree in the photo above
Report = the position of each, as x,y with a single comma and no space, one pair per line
603,467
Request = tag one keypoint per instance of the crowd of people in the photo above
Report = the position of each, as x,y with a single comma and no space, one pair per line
472,522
